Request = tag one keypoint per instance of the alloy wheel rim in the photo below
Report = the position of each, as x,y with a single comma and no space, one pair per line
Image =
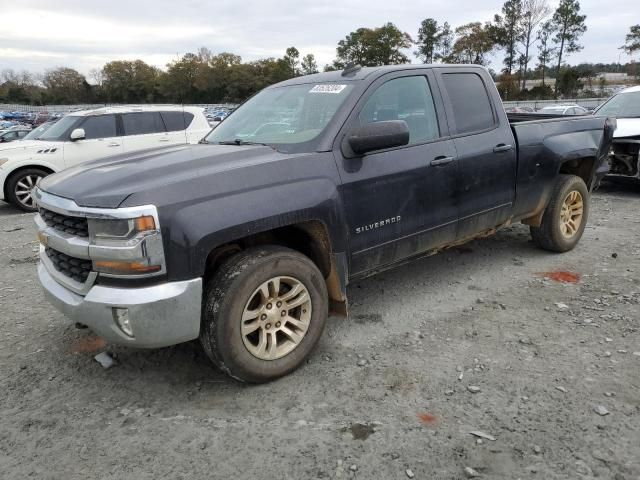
24,187
276,318
571,214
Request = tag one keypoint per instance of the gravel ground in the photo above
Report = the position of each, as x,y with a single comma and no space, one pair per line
477,339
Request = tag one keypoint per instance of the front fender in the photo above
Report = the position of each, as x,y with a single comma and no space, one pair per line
195,230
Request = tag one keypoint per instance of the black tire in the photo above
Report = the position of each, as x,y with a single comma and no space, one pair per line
13,187
549,235
228,292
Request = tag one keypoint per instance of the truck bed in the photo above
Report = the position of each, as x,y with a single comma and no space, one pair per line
544,143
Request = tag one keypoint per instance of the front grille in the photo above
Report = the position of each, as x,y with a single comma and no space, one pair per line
65,223
75,268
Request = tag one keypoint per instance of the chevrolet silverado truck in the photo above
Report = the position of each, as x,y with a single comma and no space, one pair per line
248,240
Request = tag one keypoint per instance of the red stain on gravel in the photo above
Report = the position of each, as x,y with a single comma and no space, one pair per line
427,418
561,276
88,345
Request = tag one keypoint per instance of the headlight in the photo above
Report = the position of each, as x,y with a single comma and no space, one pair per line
3,161
126,247
119,229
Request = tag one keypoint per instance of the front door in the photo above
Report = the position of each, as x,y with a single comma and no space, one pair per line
400,202
101,140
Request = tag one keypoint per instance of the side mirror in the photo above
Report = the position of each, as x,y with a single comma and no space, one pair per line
77,134
378,136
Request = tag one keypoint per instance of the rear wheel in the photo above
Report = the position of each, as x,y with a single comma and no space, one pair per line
21,184
565,218
264,311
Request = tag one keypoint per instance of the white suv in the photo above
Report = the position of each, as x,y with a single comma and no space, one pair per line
93,134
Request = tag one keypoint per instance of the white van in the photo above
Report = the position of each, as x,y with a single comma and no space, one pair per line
93,134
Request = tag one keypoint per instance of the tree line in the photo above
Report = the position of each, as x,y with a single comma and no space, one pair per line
534,40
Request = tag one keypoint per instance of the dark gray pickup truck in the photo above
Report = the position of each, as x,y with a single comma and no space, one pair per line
248,240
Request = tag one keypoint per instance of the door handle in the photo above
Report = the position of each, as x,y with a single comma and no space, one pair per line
502,148
113,145
163,140
439,161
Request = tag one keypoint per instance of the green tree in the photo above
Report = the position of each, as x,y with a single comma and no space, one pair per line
473,44
508,87
568,82
632,41
568,26
428,40
507,32
309,64
291,57
373,47
546,51
66,85
534,12
444,46
125,81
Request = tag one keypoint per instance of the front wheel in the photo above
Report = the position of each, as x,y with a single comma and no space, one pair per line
264,311
20,185
565,218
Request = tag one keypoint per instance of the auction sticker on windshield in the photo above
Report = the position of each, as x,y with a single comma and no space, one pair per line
327,89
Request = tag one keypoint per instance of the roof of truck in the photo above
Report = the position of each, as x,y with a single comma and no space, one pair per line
364,72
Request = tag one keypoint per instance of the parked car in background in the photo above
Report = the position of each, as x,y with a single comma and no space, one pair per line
625,151
12,134
93,134
519,109
563,110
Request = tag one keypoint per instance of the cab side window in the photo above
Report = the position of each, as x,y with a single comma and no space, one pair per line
100,126
408,99
142,123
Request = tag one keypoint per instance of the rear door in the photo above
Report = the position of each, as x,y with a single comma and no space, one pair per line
485,147
400,201
144,130
101,140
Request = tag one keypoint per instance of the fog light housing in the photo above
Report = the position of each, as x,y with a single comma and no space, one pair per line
121,317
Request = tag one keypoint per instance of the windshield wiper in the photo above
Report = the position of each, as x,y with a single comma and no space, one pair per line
238,141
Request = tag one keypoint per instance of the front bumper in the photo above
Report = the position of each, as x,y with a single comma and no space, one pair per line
160,315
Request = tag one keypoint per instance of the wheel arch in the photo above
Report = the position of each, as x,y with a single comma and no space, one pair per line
311,238
40,166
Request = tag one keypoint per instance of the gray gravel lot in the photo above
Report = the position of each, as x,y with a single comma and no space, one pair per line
388,394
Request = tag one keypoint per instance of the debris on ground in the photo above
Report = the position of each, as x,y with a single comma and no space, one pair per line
600,410
473,389
486,436
105,360
470,472
409,473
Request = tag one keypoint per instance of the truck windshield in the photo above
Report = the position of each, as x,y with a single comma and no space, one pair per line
57,131
286,118
623,105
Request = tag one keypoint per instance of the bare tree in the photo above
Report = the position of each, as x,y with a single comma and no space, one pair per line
534,12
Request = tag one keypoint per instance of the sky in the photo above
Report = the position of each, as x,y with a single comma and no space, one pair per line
37,35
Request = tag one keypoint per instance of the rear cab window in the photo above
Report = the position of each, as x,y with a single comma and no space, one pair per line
470,102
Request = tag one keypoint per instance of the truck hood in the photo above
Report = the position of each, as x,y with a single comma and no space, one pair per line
107,183
627,127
